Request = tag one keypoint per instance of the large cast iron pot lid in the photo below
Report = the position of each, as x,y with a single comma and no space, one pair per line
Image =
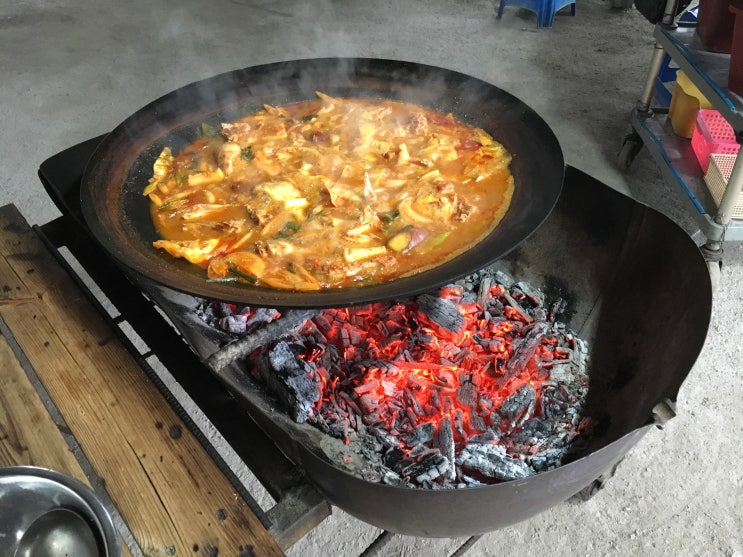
118,214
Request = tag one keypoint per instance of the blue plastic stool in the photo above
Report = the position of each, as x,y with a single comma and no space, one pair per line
545,9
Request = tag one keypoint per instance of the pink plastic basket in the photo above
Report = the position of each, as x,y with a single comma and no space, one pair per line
712,134
716,178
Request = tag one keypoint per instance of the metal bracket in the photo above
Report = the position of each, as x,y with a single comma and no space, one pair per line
296,513
664,411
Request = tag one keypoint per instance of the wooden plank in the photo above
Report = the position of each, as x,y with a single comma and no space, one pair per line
168,490
28,435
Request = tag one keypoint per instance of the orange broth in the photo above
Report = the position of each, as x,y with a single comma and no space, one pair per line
330,193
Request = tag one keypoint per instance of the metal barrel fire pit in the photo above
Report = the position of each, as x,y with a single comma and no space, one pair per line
629,275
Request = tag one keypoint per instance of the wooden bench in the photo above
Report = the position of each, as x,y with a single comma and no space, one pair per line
73,399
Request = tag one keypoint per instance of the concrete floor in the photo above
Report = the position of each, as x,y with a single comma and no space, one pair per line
73,69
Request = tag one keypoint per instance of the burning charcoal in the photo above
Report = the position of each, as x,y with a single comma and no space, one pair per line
391,478
557,308
434,402
331,360
476,422
547,460
319,421
485,437
445,443
562,373
241,348
452,292
515,384
292,379
496,421
336,421
349,404
467,395
421,434
429,468
236,324
467,283
370,444
503,278
262,316
447,404
445,378
445,313
536,428
333,424
372,419
516,306
469,481
495,308
373,472
468,297
483,292
552,408
351,336
580,355
413,405
534,295
493,462
526,349
421,338
396,459
385,438
369,403
419,451
539,314
459,423
211,312
518,403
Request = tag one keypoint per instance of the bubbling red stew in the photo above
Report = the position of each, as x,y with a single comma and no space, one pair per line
329,193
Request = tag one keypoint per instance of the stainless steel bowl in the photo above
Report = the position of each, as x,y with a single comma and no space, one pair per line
41,509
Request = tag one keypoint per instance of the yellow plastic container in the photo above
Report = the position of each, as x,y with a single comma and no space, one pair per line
685,103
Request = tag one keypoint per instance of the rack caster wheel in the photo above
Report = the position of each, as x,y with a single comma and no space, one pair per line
631,146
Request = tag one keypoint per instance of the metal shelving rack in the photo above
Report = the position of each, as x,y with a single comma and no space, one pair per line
652,129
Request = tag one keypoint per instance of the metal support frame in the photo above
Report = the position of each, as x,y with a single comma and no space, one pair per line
646,98
719,221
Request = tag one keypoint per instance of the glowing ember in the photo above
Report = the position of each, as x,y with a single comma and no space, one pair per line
403,371
479,383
